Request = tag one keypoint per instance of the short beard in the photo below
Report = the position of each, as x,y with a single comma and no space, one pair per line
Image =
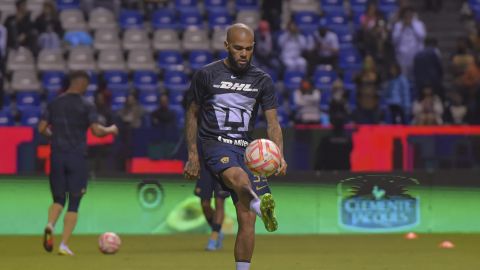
234,64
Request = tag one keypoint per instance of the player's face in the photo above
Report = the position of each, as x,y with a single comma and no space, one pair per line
240,52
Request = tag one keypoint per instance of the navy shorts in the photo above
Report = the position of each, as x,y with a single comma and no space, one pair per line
68,173
208,184
220,156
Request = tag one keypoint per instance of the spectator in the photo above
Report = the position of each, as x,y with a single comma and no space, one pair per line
49,39
307,104
462,58
428,109
163,116
456,111
339,103
428,68
105,115
19,27
325,50
371,16
48,17
368,75
132,113
368,109
3,45
272,12
474,38
408,38
265,55
292,44
397,95
433,5
470,80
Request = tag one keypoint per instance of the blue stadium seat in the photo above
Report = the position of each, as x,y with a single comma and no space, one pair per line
27,99
53,81
6,117
388,7
307,21
116,80
175,97
30,116
323,79
349,78
119,98
68,4
164,18
282,117
335,19
169,60
215,5
145,80
178,109
130,19
186,5
219,19
222,54
175,80
199,58
358,6
149,100
6,100
191,19
345,36
332,5
246,5
325,97
93,83
350,59
292,79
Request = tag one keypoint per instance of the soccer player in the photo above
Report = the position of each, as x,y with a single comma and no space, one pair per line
66,121
226,98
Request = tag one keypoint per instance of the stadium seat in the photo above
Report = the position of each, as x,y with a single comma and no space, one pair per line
199,58
111,60
164,19
30,116
345,36
246,4
350,59
6,117
219,19
35,7
140,60
216,5
119,98
170,60
307,21
130,19
175,80
323,79
72,19
282,117
248,17
349,78
27,98
116,80
303,5
20,59
358,6
332,5
68,4
166,39
292,79
186,5
148,100
191,19
195,39
145,80
23,80
221,54
81,58
75,38
53,81
218,39
335,19
106,39
325,98
134,39
101,18
93,82
51,60
180,112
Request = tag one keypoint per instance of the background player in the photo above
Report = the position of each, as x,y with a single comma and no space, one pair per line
66,120
226,97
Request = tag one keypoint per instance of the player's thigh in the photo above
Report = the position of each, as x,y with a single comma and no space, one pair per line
77,173
259,184
58,174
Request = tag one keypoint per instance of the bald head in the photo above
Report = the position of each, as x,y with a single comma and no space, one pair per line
239,45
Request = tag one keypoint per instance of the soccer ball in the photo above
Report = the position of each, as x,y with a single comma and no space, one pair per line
109,243
262,157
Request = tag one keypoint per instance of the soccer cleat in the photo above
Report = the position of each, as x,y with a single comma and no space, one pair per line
48,239
267,207
219,244
64,250
211,245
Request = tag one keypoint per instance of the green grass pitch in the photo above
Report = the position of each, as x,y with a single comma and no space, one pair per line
308,252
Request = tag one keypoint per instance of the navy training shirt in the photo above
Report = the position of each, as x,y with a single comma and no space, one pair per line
229,102
70,116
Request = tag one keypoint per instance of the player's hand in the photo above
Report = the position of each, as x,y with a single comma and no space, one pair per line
114,130
192,169
282,170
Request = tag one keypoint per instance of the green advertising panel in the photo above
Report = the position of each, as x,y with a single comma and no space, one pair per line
163,207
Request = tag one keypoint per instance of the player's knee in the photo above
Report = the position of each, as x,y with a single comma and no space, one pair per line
59,199
74,202
206,204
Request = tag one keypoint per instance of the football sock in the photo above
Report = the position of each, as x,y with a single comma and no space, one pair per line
210,222
216,227
242,265
255,207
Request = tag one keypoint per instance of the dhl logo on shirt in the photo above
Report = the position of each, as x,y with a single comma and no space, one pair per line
235,86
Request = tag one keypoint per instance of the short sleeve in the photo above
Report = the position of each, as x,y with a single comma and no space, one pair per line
198,87
92,114
269,98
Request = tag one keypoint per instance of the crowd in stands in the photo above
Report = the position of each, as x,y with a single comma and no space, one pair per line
365,61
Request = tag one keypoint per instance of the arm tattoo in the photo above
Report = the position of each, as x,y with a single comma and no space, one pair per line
191,128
